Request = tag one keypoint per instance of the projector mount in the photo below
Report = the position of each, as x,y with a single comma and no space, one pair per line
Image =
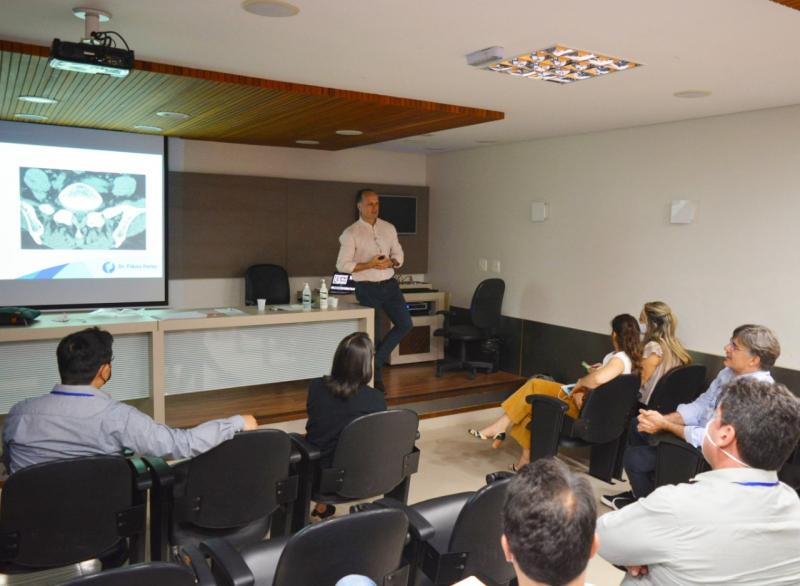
92,18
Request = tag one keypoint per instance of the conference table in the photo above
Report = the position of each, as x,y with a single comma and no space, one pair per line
160,352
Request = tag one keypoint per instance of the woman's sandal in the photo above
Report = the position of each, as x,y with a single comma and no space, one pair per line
498,438
514,468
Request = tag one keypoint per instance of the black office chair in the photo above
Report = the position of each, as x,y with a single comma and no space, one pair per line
68,511
270,282
601,425
375,456
682,384
458,535
368,543
677,461
154,573
484,313
790,471
241,490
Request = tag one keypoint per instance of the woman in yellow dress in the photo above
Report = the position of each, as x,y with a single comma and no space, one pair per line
626,358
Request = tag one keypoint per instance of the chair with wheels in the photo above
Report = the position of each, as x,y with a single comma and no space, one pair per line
242,489
458,535
375,456
68,511
266,281
484,313
682,384
369,543
601,425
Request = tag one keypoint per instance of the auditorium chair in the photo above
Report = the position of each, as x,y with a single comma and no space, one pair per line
375,456
369,543
677,461
682,384
153,573
67,511
601,425
457,535
484,314
241,490
266,281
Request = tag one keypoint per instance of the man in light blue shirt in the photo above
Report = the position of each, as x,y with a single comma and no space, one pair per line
78,419
751,352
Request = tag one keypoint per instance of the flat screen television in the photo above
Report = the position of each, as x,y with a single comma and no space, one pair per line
400,210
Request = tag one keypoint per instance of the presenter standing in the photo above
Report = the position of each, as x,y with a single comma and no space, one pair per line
370,251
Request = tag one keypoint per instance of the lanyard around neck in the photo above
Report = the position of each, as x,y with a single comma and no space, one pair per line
776,483
68,394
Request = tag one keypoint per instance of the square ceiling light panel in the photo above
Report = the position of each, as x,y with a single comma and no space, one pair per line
561,65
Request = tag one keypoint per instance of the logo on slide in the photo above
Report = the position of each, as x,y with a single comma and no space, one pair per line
109,267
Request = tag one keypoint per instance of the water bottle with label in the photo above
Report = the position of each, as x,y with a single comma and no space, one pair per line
306,297
323,296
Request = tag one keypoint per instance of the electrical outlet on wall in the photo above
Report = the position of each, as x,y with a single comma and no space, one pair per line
483,264
495,266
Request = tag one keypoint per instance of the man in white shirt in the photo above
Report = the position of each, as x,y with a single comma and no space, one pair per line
370,250
549,522
736,524
751,352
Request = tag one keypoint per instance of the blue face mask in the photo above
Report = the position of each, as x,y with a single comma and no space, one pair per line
713,443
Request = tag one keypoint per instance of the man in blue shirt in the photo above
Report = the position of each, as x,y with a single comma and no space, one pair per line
78,419
751,352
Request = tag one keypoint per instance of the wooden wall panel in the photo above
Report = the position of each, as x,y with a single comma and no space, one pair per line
221,224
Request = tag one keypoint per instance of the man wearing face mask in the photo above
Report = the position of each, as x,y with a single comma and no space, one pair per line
78,419
751,352
736,524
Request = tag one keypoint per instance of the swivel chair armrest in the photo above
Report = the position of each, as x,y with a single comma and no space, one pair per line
228,567
419,527
308,451
192,558
498,476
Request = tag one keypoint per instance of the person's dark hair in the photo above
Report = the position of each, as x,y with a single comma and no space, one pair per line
361,192
549,519
80,355
766,417
627,329
760,341
352,365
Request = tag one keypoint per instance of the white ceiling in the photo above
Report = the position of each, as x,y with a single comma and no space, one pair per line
744,51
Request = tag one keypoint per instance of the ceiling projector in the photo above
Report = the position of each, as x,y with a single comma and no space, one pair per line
90,58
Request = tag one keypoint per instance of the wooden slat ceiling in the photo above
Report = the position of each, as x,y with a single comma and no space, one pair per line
223,107
790,3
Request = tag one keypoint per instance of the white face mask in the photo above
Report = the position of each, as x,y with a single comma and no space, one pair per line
713,443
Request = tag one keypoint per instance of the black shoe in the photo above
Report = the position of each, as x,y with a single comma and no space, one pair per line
379,385
329,511
618,501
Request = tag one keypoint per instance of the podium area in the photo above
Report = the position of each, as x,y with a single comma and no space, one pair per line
413,386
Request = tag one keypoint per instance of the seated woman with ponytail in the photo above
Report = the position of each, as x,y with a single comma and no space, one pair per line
625,358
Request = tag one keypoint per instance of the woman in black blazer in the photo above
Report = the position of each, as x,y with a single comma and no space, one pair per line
335,400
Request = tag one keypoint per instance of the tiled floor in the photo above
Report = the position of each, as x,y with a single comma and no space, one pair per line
452,461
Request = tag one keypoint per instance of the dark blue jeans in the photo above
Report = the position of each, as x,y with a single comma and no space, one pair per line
385,295
640,462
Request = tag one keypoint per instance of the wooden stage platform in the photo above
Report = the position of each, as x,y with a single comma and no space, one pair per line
414,386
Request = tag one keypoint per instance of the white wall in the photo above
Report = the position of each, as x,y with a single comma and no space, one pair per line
608,246
361,165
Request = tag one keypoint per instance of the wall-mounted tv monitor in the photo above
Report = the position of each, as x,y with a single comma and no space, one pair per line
82,219
400,210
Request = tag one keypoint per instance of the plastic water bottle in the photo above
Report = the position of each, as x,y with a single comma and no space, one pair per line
306,297
323,296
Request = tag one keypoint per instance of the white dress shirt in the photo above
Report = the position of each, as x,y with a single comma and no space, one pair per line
716,530
361,241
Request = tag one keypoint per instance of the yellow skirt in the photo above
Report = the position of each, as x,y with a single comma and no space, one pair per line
519,412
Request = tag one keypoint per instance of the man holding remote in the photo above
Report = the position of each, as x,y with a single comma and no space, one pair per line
370,251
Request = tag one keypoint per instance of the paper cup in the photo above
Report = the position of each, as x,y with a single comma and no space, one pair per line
262,304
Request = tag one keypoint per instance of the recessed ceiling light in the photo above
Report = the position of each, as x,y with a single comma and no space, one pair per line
349,132
303,141
31,117
486,141
692,94
146,128
173,115
271,8
37,100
